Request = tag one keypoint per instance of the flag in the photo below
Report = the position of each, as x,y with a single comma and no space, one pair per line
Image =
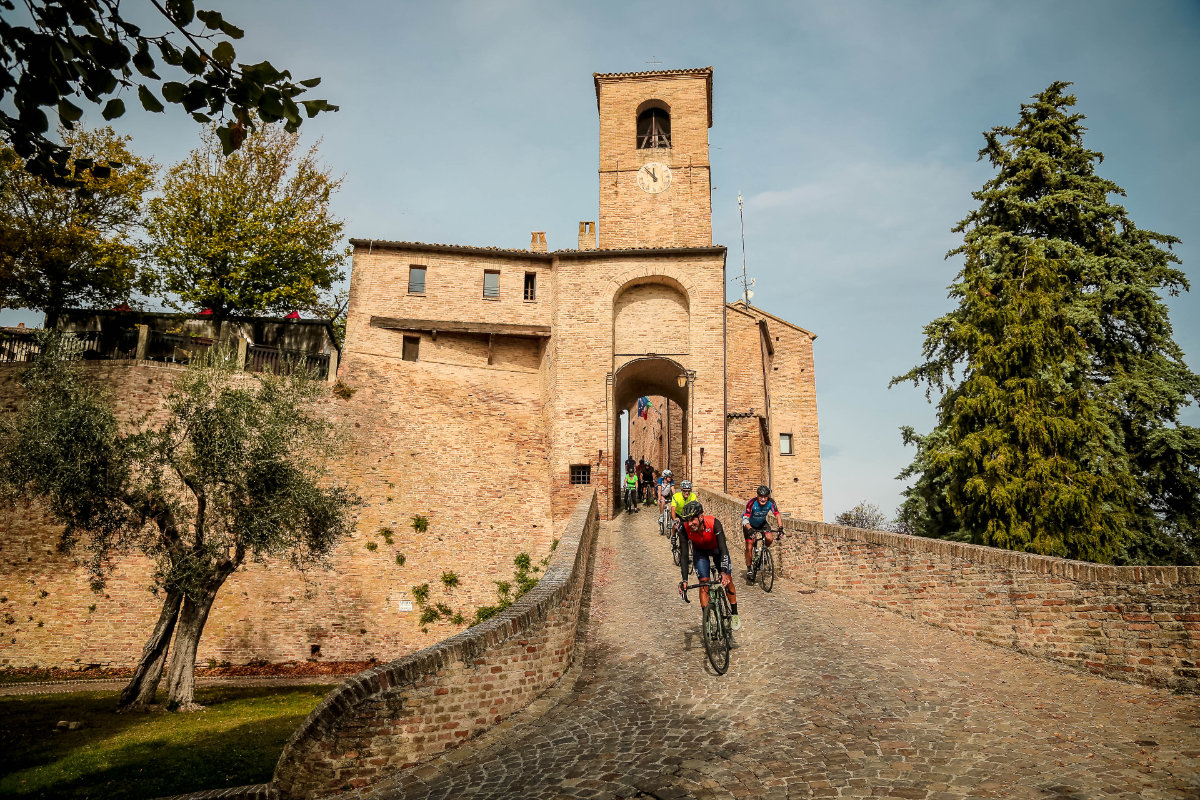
644,406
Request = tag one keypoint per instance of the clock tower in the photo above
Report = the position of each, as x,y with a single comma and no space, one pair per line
654,172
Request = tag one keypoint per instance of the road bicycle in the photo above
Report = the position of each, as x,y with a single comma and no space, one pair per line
664,522
762,563
716,623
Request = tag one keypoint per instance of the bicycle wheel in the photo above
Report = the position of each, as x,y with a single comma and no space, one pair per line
675,548
766,573
716,637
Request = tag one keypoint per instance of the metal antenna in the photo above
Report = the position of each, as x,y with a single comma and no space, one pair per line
747,283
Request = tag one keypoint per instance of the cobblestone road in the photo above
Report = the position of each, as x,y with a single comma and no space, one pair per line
824,698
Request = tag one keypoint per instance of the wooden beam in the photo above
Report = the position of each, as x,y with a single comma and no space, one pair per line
491,341
442,326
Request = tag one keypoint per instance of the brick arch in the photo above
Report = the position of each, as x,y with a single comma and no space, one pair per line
672,276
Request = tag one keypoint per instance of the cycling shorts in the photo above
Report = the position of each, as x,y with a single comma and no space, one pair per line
704,560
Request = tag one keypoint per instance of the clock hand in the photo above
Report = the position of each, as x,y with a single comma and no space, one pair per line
653,176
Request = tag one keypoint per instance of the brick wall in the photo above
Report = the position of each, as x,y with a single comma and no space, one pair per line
413,708
410,444
1140,624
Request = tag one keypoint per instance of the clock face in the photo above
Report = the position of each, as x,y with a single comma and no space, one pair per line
654,177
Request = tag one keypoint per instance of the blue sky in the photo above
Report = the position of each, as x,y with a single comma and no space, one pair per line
851,128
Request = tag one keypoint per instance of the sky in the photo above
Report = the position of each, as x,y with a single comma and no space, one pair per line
851,129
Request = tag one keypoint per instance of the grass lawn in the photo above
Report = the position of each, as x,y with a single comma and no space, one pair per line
236,740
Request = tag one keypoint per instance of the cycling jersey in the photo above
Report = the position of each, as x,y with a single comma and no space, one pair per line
756,513
666,490
707,545
678,501
631,482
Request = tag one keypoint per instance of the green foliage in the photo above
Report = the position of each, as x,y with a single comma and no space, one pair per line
387,534
420,524
71,51
64,248
449,579
400,559
429,614
421,594
342,391
372,546
1062,434
251,232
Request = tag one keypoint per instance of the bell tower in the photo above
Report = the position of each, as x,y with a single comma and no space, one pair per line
655,183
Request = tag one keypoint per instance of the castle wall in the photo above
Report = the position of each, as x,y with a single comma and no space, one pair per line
411,444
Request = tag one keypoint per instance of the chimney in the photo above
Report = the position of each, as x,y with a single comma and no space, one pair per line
587,236
537,242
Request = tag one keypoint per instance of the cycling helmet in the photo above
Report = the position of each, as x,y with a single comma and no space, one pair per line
692,510
764,491
685,486
668,474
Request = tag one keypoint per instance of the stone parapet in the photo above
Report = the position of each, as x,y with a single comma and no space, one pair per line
416,707
1140,624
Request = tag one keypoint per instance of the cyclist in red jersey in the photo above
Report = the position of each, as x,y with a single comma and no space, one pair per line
706,539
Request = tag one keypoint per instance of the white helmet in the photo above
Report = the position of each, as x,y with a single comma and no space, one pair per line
668,474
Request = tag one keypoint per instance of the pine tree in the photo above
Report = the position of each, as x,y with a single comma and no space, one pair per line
1062,436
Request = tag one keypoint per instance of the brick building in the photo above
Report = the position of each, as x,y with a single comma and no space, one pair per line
564,332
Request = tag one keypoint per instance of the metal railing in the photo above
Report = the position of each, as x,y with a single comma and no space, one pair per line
174,348
89,345
280,361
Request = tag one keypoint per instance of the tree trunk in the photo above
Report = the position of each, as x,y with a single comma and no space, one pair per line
140,691
181,675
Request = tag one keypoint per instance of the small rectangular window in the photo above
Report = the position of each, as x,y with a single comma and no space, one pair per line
411,345
531,286
785,444
491,284
581,474
416,280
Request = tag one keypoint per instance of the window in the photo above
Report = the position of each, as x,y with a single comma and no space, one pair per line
411,345
491,284
531,286
785,444
581,474
653,128
416,280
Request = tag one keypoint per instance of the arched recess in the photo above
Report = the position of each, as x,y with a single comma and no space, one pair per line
648,376
653,125
651,314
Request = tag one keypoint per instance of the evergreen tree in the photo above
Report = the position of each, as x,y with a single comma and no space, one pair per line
1062,436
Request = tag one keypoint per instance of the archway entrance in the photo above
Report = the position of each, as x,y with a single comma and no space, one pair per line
670,387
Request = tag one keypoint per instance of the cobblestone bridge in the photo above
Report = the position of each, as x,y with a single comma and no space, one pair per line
824,698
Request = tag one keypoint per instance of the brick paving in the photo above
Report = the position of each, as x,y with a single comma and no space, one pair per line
823,698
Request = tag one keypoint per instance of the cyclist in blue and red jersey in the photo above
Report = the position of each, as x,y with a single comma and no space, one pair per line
706,538
754,519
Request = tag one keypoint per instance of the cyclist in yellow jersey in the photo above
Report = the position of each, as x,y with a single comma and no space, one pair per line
680,499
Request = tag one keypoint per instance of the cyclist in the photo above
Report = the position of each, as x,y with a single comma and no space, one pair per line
666,489
754,518
631,484
647,488
680,499
706,537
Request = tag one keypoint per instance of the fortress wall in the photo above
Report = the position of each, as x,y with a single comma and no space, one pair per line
1140,624
747,403
648,437
416,707
464,447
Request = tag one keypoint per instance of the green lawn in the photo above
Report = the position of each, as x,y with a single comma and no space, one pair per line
236,740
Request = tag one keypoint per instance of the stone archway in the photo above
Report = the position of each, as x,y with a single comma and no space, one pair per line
650,375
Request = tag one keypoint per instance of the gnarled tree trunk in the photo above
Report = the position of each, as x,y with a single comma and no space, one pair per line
181,675
140,691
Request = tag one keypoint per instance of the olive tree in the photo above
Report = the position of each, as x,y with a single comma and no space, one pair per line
231,474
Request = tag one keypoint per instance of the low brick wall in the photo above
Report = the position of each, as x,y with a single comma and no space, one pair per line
1140,624
405,712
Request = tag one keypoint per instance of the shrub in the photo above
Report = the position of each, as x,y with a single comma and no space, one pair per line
449,579
420,524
